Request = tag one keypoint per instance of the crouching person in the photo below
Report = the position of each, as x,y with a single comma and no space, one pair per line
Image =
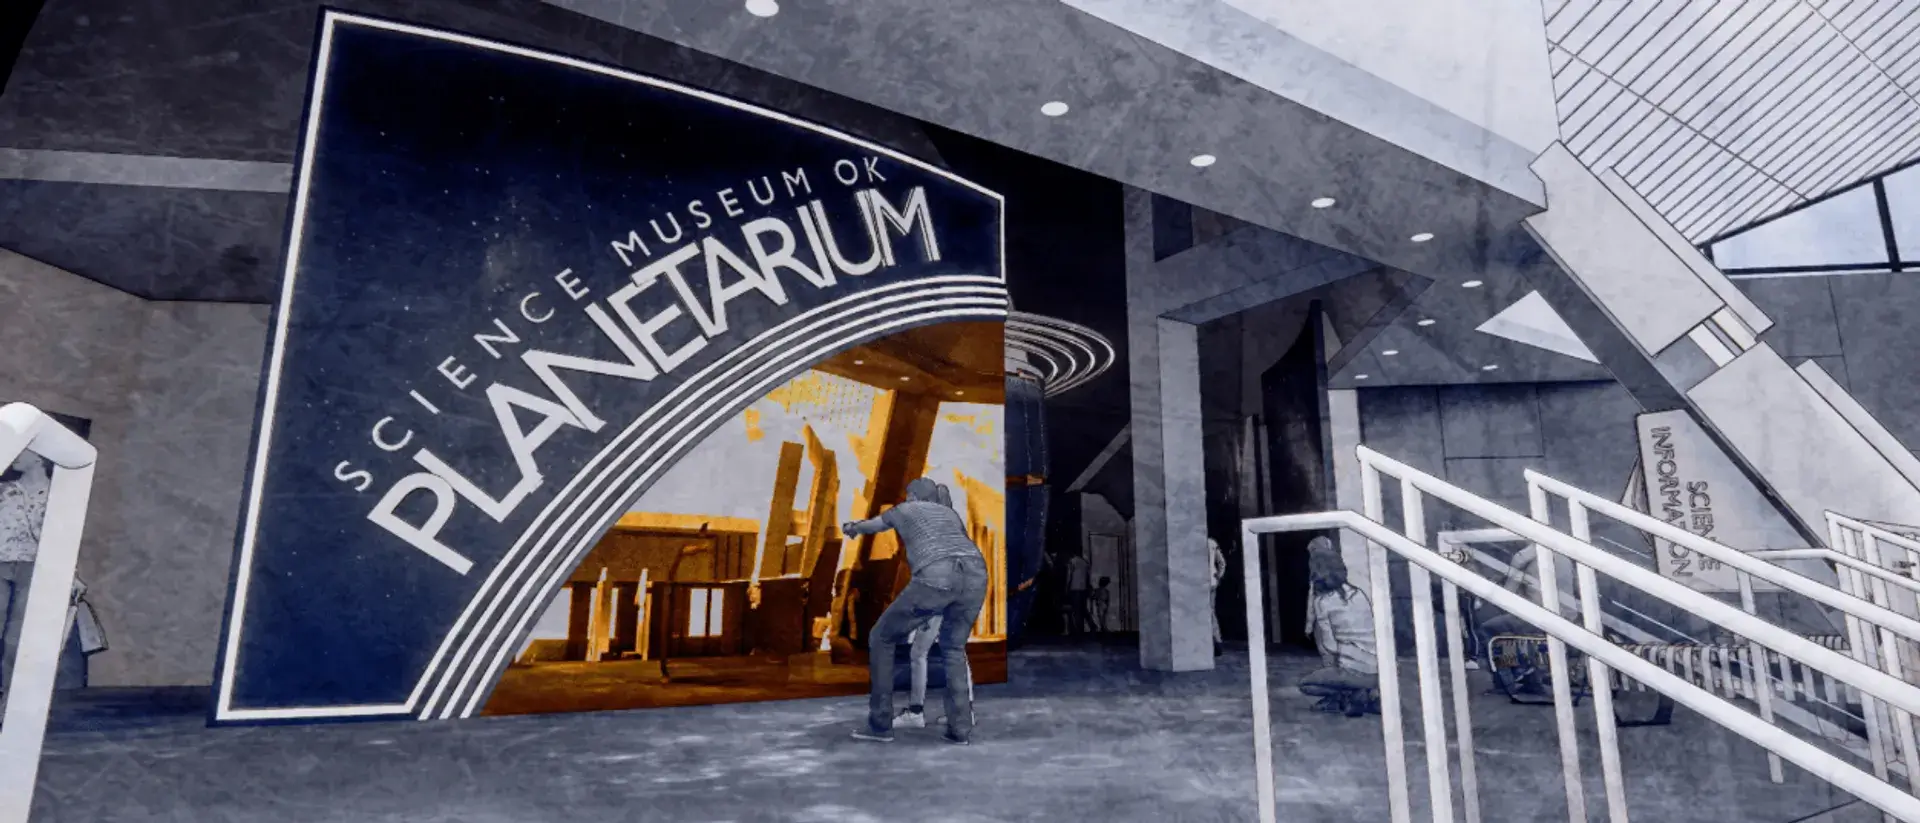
1341,617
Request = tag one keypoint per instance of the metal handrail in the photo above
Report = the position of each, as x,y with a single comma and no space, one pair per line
1759,569
1465,538
1900,533
1860,603
1730,716
1840,559
23,729
1868,680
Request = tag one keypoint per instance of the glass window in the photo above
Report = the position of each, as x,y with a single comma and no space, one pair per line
697,613
1903,202
717,613
1843,230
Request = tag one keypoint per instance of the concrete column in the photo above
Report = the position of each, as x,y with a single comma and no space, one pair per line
1169,483
1343,430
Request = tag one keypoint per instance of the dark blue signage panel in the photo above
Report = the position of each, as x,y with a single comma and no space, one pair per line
518,288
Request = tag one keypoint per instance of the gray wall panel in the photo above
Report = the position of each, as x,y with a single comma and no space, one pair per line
1490,421
1802,311
1879,321
1404,424
1588,433
1499,479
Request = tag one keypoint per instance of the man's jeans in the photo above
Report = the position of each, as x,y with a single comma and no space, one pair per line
955,589
14,577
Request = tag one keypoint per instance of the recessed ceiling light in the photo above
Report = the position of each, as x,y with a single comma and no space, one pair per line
1488,367
1421,237
1359,377
959,394
1201,161
1426,322
1470,284
1391,352
1324,203
859,362
904,378
763,8
1054,109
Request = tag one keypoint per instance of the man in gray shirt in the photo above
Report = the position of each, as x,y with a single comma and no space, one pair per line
949,581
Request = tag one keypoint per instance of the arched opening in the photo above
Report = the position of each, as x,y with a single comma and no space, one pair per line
729,580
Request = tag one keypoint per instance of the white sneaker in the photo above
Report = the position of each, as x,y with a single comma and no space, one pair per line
911,719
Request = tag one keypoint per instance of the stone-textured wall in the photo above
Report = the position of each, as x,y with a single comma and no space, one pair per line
170,389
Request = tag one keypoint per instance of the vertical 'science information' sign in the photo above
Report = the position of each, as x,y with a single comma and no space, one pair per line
1693,485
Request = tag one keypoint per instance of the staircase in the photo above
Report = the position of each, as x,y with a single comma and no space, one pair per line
1680,335
1838,708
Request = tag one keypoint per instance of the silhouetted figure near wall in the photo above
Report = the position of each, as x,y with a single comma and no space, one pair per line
1079,574
949,579
1100,602
1341,618
1218,559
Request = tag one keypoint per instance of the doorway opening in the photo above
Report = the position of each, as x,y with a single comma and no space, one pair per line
1268,451
730,579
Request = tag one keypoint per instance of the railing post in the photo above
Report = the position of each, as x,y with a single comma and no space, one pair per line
1890,659
1764,695
1599,677
1257,661
1432,708
1858,641
1557,661
30,681
1399,807
1459,649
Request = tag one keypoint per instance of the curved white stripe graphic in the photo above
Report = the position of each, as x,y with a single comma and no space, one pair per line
663,450
762,346
1062,354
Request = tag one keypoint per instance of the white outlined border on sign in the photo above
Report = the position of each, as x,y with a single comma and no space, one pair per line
989,301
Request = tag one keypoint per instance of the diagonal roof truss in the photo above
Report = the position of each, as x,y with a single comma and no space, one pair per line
1724,112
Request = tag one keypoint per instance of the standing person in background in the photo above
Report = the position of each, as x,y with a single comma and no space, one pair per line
949,579
1078,574
1099,602
23,506
1218,559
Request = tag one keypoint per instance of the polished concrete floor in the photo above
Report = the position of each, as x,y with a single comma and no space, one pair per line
1080,733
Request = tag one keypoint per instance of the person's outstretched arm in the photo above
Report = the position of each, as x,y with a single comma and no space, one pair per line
857,528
